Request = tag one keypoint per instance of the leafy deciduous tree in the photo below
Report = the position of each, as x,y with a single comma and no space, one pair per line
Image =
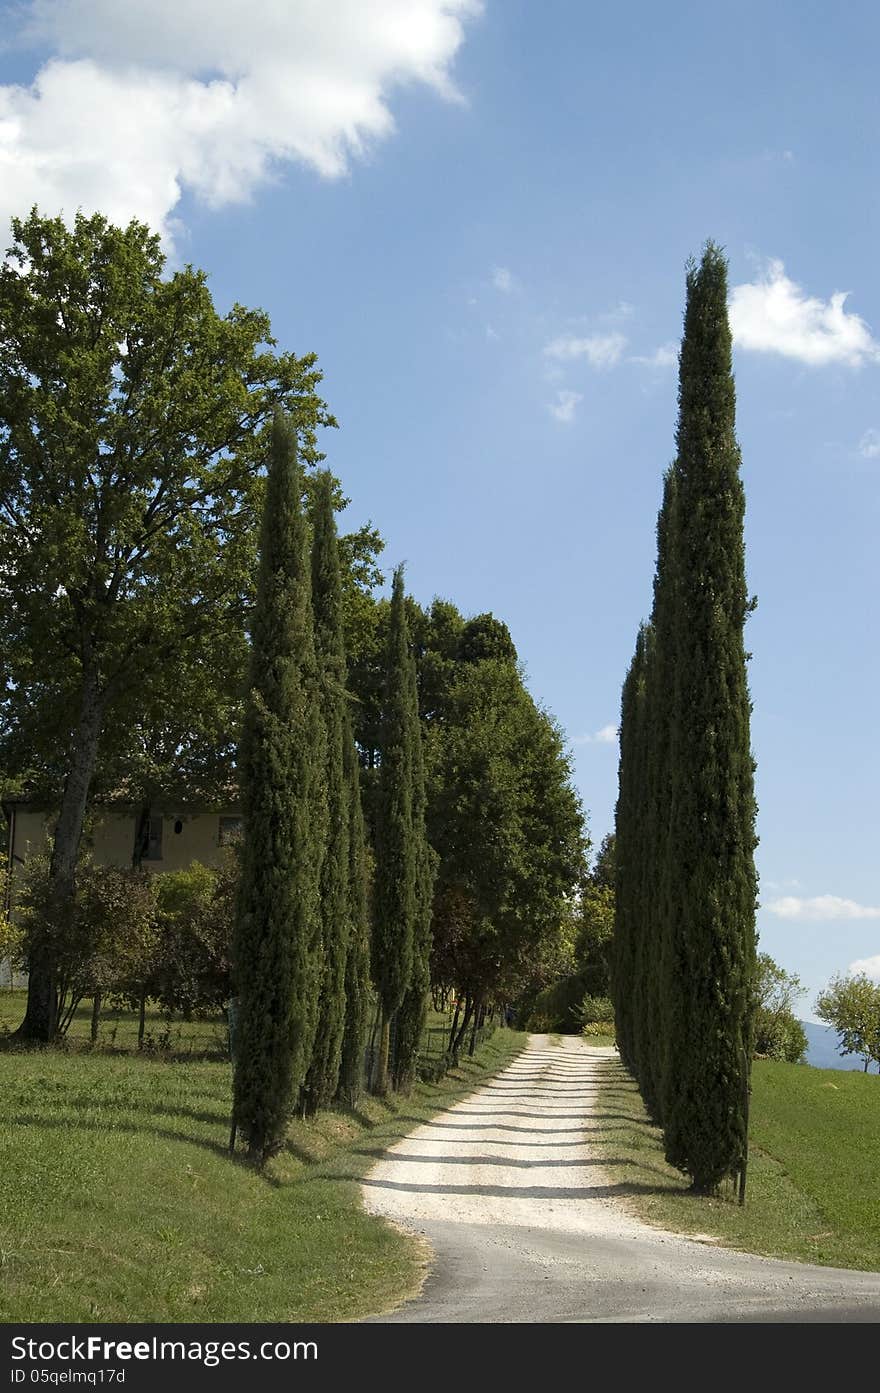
130,440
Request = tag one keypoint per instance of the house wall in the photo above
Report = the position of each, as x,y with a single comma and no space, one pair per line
112,839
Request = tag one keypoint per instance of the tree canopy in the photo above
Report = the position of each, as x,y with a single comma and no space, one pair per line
131,436
851,1004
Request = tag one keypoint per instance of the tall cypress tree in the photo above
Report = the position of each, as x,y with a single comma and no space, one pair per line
396,859
334,907
358,988
280,774
623,945
657,747
708,857
413,1010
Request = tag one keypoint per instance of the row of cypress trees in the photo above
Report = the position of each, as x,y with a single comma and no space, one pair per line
684,944
303,949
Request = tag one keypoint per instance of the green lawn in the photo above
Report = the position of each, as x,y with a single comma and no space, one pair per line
118,1201
813,1170
118,1029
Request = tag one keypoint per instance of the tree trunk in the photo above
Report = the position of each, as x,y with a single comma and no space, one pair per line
380,1087
457,1040
142,1015
41,1016
454,1026
478,1021
141,838
96,1016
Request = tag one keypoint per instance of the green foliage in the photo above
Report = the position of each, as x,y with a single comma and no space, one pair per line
106,938
334,906
358,986
131,436
276,954
851,1005
595,933
507,824
397,854
778,1032
685,951
196,911
604,871
556,1007
596,1014
11,931
596,1010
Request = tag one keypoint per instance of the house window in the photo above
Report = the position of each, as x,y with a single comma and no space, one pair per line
231,829
154,840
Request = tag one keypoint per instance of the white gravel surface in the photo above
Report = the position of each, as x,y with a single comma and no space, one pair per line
524,1224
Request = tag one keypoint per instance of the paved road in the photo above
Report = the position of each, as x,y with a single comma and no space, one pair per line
525,1226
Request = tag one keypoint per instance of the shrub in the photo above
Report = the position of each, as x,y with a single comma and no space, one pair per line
106,939
596,1014
195,912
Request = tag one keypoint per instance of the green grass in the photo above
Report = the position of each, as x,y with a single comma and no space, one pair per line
813,1168
118,1030
118,1201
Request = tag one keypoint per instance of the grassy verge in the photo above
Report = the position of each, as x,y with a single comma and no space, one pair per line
813,1167
118,1201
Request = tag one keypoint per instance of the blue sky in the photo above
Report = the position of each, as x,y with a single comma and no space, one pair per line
478,216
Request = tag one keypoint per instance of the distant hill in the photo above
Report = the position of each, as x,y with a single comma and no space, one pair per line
822,1048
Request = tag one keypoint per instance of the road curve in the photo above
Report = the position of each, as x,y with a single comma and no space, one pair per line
524,1224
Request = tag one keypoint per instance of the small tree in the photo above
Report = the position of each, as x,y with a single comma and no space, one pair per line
191,974
778,1032
110,922
851,1005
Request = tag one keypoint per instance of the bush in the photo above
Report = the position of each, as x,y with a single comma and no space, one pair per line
195,912
596,1014
106,939
11,932
596,1010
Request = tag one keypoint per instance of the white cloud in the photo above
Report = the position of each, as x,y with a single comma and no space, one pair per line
564,405
140,102
666,356
502,279
620,312
869,445
821,907
774,315
606,736
869,966
600,350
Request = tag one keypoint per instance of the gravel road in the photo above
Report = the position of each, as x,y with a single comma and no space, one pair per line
524,1224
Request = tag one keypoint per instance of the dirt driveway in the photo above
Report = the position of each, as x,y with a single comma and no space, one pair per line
524,1225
